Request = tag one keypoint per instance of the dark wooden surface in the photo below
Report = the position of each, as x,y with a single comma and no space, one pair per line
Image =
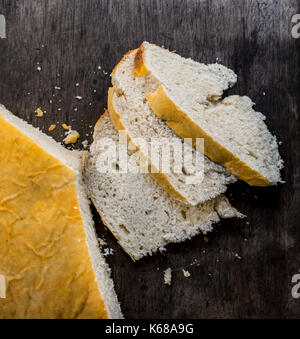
70,39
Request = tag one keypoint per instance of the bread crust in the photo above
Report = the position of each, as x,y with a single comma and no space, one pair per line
185,127
140,68
47,264
133,51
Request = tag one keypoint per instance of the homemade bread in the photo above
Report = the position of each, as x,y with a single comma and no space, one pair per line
130,112
187,96
50,262
141,215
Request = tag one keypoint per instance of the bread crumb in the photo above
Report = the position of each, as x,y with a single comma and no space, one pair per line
237,256
57,88
102,242
85,144
39,112
2,287
72,137
39,68
66,127
108,251
78,97
186,274
52,127
168,276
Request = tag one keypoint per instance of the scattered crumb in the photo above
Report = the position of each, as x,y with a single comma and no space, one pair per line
57,88
237,255
39,112
77,84
263,93
78,97
186,274
75,207
50,101
75,109
99,67
108,251
85,144
101,241
168,276
39,68
59,109
52,127
72,137
90,126
66,127
205,239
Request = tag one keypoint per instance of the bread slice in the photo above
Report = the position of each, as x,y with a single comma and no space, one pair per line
141,215
130,112
50,262
187,96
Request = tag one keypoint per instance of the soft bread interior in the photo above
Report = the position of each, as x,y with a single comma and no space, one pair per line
129,108
139,212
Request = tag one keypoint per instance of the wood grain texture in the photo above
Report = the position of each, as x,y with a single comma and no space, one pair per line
70,39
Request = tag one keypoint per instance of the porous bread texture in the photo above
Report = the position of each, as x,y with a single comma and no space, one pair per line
142,216
187,96
88,290
130,111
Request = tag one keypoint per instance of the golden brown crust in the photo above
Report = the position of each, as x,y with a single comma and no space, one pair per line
46,262
140,68
123,59
182,125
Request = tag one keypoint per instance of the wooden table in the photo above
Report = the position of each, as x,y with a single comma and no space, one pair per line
246,267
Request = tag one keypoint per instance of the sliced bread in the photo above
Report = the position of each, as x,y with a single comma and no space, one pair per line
141,215
187,96
130,112
50,262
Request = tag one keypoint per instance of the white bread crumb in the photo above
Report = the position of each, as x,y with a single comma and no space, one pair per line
85,144
186,274
168,276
